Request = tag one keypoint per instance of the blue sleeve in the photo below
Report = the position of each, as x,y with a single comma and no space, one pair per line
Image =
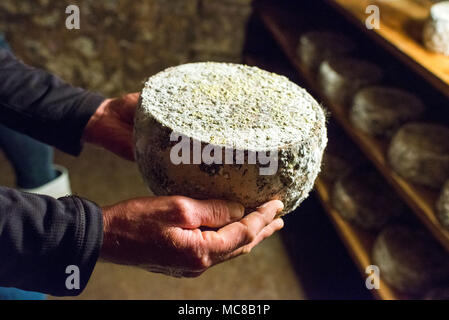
41,105
40,237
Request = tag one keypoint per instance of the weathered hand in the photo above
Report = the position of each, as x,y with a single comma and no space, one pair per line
167,234
111,127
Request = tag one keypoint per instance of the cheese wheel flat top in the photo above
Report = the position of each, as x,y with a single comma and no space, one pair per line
232,105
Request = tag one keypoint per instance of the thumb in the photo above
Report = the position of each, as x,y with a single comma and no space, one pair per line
217,213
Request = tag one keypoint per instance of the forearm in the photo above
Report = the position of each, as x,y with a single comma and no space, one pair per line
43,106
40,237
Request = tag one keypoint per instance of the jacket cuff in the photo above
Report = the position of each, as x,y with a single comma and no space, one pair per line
88,239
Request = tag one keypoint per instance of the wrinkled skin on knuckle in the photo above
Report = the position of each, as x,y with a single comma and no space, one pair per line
188,252
183,211
220,246
250,234
259,215
223,245
220,210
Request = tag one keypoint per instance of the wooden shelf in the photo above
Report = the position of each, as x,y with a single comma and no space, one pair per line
400,33
284,28
358,242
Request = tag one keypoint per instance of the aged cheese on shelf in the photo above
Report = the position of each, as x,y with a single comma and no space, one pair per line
380,111
419,152
443,206
341,78
364,199
238,133
410,260
436,30
316,46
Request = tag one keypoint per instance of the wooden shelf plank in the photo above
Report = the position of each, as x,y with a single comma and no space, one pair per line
421,200
401,34
358,242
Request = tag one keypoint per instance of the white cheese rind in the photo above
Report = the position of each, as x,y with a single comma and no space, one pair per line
410,260
316,46
380,111
419,152
341,78
364,199
436,29
230,106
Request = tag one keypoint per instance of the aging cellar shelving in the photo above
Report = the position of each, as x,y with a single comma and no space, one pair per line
282,24
358,242
286,28
401,23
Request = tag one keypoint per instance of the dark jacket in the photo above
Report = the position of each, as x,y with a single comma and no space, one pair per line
40,236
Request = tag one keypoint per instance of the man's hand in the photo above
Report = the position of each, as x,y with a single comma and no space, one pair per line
183,237
111,126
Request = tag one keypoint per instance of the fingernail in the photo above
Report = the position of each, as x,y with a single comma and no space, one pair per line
236,210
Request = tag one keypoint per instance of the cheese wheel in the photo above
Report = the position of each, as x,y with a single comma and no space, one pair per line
316,46
437,294
443,206
229,131
342,78
419,152
410,260
380,111
436,30
364,199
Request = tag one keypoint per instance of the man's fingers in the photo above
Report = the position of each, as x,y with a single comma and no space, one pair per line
121,143
243,232
128,107
187,213
271,208
212,213
266,232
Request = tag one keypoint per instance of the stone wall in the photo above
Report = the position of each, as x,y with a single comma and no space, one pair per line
122,42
